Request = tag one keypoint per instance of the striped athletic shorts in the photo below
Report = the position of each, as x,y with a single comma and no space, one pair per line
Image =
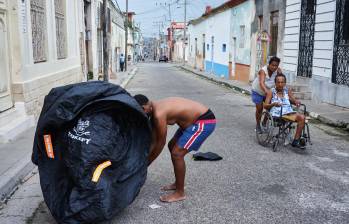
193,136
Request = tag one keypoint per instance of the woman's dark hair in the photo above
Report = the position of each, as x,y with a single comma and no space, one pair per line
274,58
280,75
141,99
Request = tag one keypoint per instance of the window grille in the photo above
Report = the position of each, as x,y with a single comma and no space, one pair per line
38,25
61,40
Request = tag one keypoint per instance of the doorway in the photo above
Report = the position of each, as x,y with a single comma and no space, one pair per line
5,92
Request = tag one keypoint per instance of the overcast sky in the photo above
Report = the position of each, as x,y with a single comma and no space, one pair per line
149,13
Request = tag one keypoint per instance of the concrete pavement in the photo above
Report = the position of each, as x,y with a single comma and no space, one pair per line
326,113
251,184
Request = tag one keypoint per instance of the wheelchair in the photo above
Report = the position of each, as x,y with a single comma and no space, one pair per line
278,131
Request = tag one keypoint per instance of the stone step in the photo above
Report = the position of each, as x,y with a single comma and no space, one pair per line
302,95
299,87
14,122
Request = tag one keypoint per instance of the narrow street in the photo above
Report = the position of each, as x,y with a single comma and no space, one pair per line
251,184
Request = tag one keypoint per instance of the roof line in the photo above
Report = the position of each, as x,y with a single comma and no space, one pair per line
225,6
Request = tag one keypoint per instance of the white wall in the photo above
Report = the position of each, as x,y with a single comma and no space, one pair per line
219,27
291,39
323,39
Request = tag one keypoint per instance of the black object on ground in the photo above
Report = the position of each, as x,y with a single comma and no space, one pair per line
91,147
210,156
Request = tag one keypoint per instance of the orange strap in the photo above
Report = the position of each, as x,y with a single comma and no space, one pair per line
99,169
48,146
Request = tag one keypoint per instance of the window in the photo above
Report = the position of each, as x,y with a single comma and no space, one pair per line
38,23
274,29
242,37
61,39
208,47
224,48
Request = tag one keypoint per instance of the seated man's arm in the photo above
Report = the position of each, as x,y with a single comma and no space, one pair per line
293,100
159,138
267,105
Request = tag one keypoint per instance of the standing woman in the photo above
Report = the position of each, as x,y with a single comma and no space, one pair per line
262,85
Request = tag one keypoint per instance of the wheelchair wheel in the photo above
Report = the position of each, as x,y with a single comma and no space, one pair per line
267,125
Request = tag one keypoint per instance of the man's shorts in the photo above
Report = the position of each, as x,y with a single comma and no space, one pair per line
257,98
290,117
193,136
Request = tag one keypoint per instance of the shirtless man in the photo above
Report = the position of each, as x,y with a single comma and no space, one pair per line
196,122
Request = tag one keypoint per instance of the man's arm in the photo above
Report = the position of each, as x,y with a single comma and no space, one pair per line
160,131
293,100
267,105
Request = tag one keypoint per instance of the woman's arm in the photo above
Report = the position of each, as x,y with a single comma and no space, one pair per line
261,79
267,105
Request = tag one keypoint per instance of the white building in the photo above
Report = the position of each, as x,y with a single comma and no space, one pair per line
38,51
316,48
220,40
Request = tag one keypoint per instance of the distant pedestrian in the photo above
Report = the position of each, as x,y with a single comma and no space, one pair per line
122,62
262,85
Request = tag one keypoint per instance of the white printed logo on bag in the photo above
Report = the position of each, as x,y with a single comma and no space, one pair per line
80,130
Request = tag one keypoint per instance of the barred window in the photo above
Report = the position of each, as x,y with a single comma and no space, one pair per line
61,40
38,25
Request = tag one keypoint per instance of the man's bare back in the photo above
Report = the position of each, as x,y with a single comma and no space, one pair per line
177,110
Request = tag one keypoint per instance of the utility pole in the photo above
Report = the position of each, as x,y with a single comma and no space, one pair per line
105,43
126,36
170,33
185,29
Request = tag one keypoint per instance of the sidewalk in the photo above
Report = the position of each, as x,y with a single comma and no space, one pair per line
326,113
122,78
15,156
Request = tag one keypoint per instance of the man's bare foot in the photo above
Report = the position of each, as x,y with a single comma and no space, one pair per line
172,197
169,187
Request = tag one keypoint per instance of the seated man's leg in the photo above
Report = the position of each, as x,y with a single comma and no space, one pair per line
300,125
177,156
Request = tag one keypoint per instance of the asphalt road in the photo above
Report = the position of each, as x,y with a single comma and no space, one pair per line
251,184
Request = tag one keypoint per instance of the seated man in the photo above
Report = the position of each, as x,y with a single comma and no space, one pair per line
196,122
279,100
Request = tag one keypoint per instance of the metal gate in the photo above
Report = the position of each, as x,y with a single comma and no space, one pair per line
306,38
340,70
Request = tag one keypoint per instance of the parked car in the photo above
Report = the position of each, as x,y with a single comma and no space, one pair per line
163,58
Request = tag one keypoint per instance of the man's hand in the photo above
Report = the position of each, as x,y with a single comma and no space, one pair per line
276,104
297,103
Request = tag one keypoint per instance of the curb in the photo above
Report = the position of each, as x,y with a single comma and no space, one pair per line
14,176
131,74
221,83
322,119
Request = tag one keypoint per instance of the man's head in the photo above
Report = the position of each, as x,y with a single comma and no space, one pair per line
274,63
144,102
280,81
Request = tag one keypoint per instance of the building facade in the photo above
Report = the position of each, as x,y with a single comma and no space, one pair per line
316,48
224,49
267,33
38,52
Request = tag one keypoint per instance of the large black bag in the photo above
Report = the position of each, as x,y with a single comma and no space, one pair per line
82,126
